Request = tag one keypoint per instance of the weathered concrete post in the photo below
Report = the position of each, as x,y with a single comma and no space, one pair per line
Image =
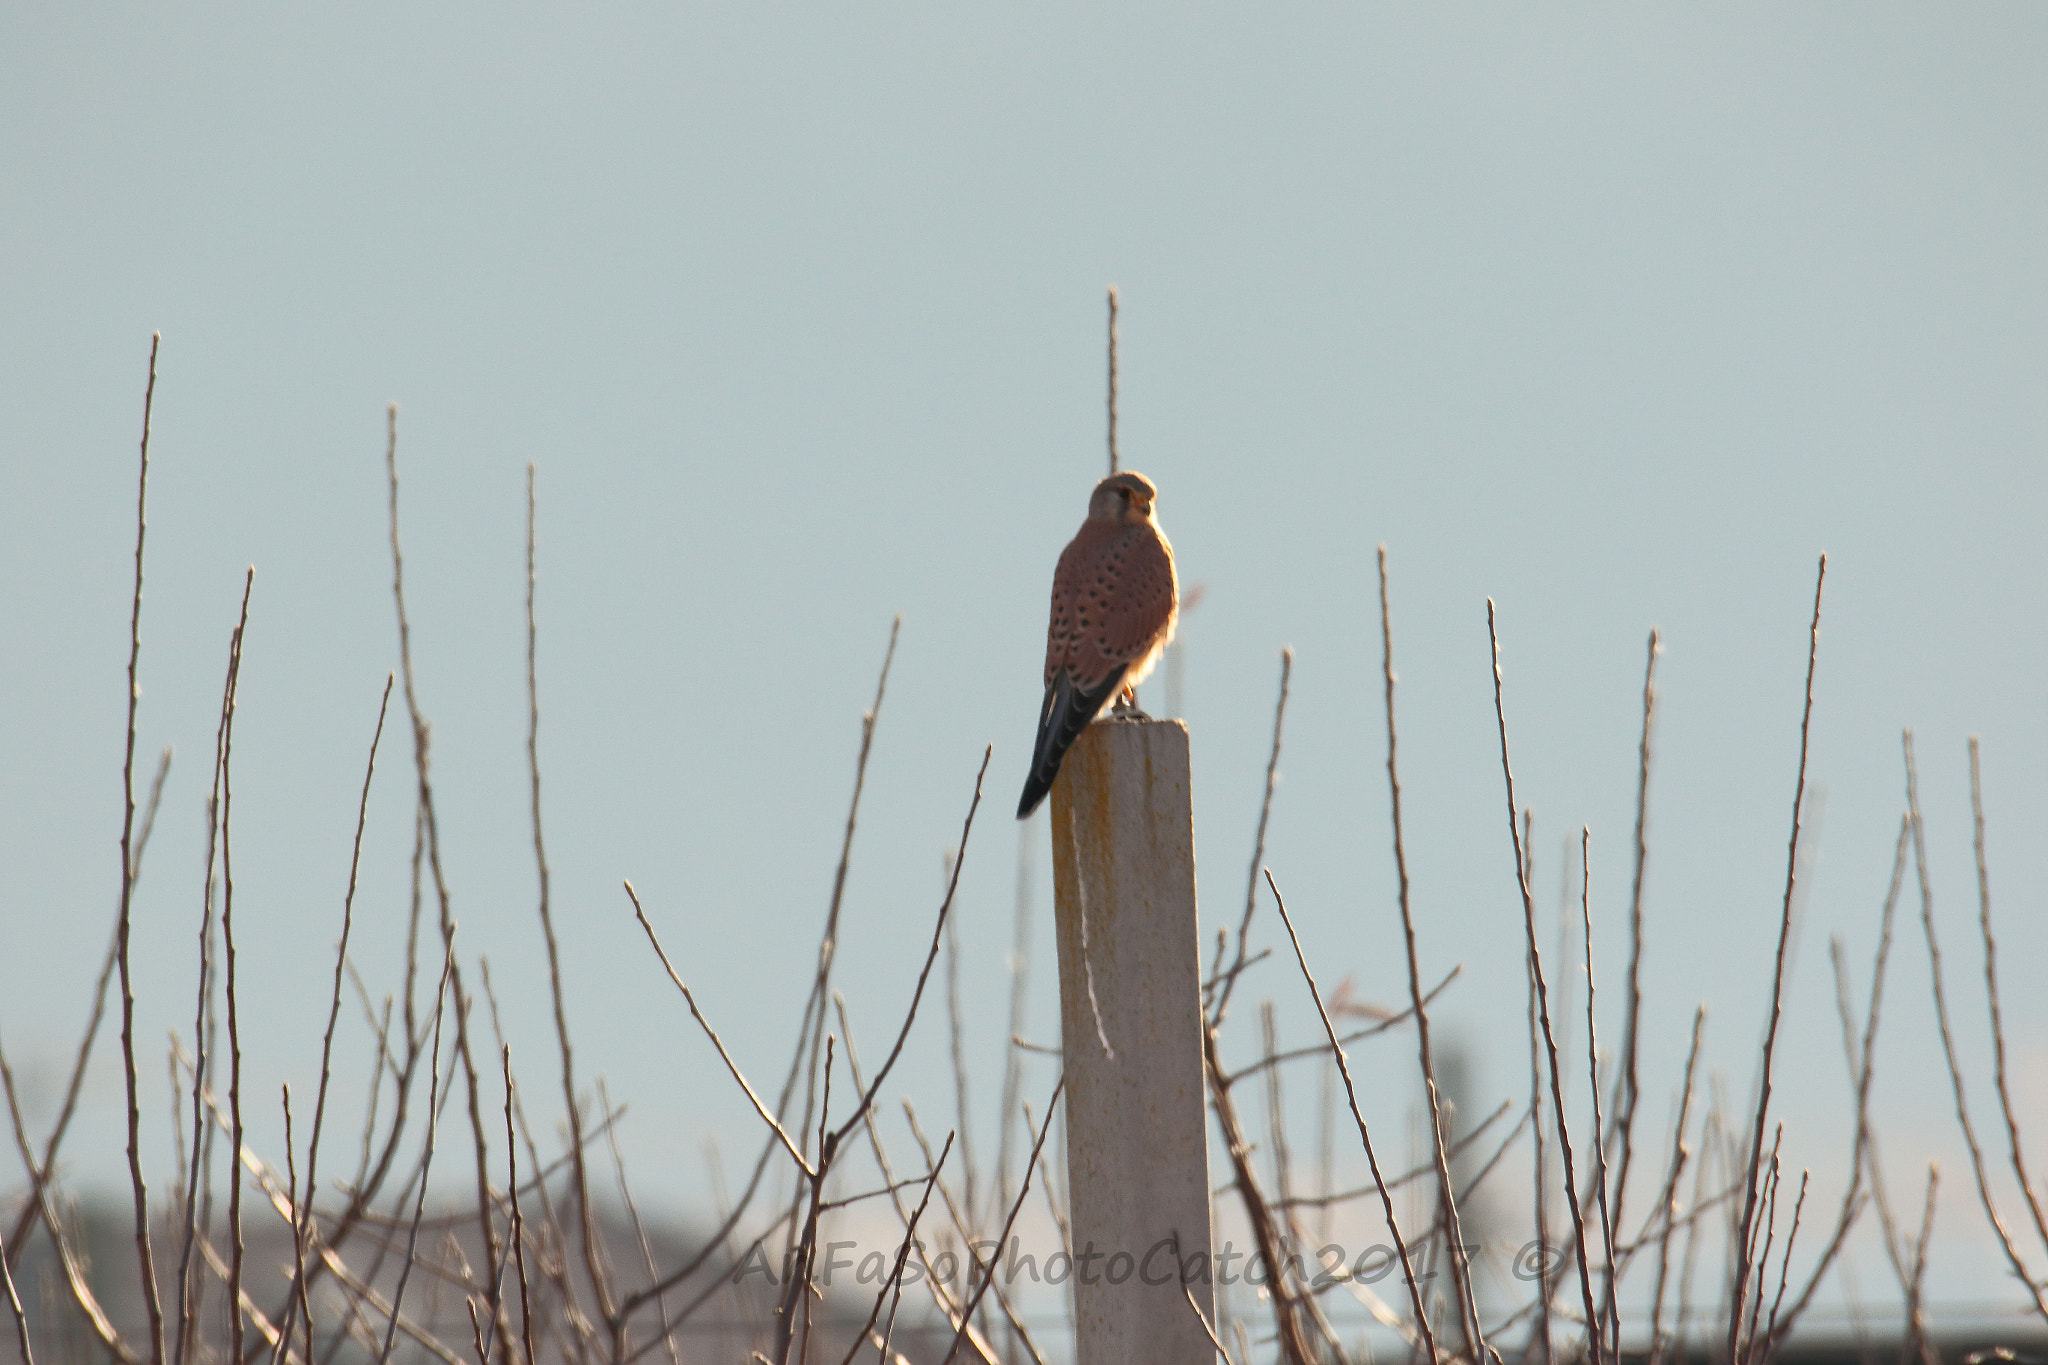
1137,1137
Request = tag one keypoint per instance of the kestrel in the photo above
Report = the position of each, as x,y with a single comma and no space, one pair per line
1115,598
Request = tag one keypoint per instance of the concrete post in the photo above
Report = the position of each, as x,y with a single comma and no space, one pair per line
1137,1136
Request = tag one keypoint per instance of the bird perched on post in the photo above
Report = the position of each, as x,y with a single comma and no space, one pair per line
1115,598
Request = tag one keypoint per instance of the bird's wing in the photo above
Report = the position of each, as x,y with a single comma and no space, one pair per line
1077,594
1061,719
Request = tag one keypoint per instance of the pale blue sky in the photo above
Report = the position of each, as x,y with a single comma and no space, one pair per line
1620,316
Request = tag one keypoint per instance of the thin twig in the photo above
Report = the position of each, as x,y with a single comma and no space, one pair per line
1020,971
1860,1057
348,903
789,1144
945,908
639,1228
1711,1131
518,1220
1763,1101
600,1282
811,1031
1768,1228
1113,300
264,1327
1667,1202
1391,1022
28,1355
1003,1237
1295,1347
1276,1108
1535,956
718,1283
188,1292
1251,889
1461,1267
1478,1177
227,935
1416,1172
1771,1323
829,1142
890,1187
430,844
142,1252
1060,1221
360,1287
199,1171
1365,1138
961,1224
806,1032
1188,1293
31,1208
956,1031
938,1291
2012,1127
1628,1082
74,1274
1915,1323
426,1160
895,1281
1948,1046
798,1287
1219,977
1611,1313
301,1203
1540,1328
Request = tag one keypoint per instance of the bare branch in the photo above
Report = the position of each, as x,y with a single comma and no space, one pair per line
1391,1022
227,934
1948,1046
28,1355
938,930
795,1153
426,1158
1251,889
1003,1237
1113,300
1763,1100
1447,1195
593,1266
895,1281
1365,1138
2005,1109
143,1255
1535,956
1627,1083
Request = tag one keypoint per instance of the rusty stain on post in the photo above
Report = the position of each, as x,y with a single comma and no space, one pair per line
1137,1136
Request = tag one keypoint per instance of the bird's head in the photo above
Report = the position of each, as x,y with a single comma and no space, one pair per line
1123,498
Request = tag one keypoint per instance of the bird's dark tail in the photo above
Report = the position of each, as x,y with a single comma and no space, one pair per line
1065,714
